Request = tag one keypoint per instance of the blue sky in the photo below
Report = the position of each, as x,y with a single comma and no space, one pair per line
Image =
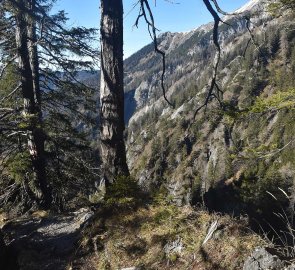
170,15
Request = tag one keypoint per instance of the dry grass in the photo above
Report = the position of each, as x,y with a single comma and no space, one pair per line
141,238
40,214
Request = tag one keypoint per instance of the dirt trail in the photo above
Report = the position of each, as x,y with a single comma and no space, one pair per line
46,243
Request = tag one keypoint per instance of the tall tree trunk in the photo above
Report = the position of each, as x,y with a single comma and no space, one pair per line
28,66
38,132
112,125
33,53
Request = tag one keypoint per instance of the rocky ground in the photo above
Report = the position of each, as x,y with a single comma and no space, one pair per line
159,236
43,241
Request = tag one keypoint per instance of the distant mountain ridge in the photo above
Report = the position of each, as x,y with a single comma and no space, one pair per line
185,52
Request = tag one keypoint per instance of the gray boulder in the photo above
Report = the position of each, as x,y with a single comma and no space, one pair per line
263,259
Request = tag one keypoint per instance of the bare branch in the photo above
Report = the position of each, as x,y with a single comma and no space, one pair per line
11,93
6,65
213,84
222,11
248,24
146,13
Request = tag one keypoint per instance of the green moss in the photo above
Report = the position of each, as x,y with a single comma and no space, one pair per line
173,257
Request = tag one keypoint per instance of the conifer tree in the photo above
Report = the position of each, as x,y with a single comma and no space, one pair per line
48,56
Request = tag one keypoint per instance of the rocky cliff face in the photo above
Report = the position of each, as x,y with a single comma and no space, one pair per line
189,57
247,146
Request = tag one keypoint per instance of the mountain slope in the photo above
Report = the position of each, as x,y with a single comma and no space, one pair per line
244,149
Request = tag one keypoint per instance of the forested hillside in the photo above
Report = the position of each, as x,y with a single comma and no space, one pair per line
240,146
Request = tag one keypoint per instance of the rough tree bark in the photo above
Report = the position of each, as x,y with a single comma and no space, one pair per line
28,66
112,125
33,54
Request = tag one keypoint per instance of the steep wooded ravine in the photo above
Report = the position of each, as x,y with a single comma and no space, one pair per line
231,156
